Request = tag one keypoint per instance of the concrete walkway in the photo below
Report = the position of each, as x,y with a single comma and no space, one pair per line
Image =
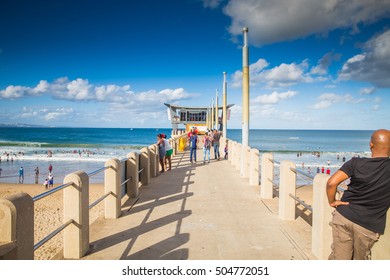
200,212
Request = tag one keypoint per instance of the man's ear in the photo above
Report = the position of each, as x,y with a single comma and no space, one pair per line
371,145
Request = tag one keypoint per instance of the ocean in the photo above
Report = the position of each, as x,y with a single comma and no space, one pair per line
87,149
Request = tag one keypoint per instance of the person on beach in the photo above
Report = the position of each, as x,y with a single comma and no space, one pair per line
206,147
21,175
36,175
46,183
50,168
322,170
360,215
51,180
318,169
193,141
168,152
216,137
328,171
161,151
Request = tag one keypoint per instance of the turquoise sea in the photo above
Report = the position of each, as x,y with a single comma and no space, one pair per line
87,149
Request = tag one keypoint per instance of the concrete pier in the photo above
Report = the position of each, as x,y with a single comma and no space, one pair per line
197,211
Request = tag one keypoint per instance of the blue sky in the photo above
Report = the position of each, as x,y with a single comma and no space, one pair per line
313,64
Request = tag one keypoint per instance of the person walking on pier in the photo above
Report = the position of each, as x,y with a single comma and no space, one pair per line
360,216
216,137
161,150
193,141
206,147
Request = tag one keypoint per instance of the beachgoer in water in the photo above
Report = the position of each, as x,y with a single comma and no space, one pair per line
21,175
318,169
322,170
36,175
50,168
360,215
161,151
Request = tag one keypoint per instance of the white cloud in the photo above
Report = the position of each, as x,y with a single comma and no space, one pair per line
373,65
280,20
274,98
279,76
212,3
326,100
82,90
45,114
368,91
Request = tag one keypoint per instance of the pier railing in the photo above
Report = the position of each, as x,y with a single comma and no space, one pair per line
121,177
260,170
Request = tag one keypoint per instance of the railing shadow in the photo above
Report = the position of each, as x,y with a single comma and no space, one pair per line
171,187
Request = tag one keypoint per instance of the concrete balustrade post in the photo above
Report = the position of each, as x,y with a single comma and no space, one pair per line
153,162
246,165
76,208
254,168
145,166
112,185
132,172
267,175
287,186
322,216
381,249
17,227
238,156
231,152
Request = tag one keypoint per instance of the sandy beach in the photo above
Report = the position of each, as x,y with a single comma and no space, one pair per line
48,214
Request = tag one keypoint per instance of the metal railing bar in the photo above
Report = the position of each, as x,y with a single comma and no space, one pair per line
51,235
139,171
99,200
274,161
273,183
300,201
124,182
93,173
56,189
302,173
124,160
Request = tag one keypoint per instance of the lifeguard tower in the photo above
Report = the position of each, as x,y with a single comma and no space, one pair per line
202,118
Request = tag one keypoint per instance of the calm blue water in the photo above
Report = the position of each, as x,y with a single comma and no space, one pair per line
88,148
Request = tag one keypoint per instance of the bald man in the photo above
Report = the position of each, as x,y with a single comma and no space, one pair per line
360,216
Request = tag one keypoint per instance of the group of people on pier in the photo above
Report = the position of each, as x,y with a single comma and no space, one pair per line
211,139
165,152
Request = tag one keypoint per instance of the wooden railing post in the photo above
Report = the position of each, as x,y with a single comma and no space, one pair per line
145,166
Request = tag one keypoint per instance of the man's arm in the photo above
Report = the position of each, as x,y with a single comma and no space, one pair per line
331,188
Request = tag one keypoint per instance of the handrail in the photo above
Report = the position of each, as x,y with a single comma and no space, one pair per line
98,200
273,183
302,173
300,201
274,161
47,193
51,235
93,173
125,181
139,171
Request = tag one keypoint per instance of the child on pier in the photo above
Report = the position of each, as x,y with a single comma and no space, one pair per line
226,149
